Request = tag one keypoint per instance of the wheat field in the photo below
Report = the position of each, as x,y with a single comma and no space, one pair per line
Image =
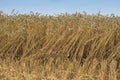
61,47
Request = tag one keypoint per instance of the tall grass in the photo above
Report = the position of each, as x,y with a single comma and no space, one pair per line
63,47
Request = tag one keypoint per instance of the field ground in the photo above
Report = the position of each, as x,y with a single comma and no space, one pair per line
63,47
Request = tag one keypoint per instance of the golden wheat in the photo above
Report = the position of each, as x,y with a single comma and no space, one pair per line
63,47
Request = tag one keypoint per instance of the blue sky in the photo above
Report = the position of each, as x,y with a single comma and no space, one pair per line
61,6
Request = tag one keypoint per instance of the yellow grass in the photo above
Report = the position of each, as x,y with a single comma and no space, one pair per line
63,47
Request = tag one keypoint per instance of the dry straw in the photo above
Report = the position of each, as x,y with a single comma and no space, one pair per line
63,47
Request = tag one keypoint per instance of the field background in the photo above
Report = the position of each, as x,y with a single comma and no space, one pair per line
62,47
